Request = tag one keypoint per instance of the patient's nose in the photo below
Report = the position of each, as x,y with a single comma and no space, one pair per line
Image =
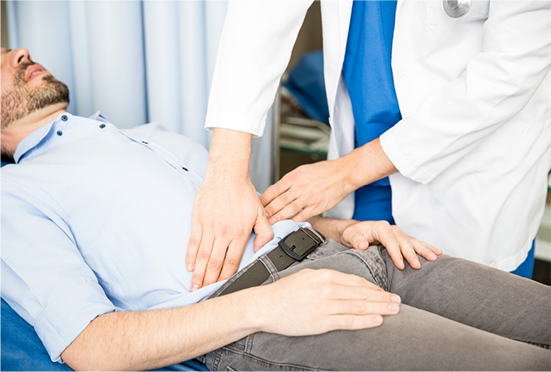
20,55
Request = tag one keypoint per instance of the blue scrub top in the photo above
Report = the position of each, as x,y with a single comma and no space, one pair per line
368,75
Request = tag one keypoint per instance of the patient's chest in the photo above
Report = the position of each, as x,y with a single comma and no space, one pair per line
129,211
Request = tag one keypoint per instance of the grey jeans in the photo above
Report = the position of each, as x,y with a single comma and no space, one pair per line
455,315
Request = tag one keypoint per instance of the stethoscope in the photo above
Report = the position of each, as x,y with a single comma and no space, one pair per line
456,8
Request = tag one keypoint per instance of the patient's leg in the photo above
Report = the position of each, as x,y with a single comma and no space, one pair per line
414,339
476,295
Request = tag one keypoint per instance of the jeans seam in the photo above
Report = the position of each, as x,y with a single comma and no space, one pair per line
542,345
216,361
269,265
249,344
270,364
375,272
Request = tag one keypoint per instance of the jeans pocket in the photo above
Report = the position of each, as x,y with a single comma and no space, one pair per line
216,360
374,262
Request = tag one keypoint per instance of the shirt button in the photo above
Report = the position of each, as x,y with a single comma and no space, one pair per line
59,133
102,126
64,118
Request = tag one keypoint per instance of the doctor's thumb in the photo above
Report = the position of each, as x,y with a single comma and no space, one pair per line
263,232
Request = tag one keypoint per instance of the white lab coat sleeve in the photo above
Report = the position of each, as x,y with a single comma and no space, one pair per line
498,82
255,48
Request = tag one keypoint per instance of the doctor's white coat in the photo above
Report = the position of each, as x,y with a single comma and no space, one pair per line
474,146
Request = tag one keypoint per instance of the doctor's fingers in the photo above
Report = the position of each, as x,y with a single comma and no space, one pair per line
202,260
354,239
217,260
298,209
385,234
284,206
435,250
193,244
262,229
406,247
423,249
233,258
288,211
275,190
306,214
396,242
410,247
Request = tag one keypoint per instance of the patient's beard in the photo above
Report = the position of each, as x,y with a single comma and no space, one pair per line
21,100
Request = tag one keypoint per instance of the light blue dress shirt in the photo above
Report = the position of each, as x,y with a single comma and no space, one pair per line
96,220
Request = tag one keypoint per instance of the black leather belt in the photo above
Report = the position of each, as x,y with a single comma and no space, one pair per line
294,247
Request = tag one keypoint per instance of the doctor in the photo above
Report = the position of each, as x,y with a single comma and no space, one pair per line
469,153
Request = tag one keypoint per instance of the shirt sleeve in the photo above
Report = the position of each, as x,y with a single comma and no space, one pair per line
255,48
497,84
44,277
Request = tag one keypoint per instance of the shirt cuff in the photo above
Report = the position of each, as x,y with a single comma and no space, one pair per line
63,320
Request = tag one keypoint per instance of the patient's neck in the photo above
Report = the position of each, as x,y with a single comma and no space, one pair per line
19,129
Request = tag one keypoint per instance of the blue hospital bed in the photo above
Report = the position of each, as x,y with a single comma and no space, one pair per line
22,350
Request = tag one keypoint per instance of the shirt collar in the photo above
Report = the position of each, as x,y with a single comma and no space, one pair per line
99,117
34,138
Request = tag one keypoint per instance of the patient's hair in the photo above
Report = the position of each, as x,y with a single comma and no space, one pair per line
20,100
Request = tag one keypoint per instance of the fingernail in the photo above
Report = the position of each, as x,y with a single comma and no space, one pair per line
377,319
362,244
393,307
396,299
417,262
272,220
189,267
194,287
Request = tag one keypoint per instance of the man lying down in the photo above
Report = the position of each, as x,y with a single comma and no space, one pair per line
95,223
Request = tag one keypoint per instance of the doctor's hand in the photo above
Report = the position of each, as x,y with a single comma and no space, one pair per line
307,191
397,243
315,188
226,211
